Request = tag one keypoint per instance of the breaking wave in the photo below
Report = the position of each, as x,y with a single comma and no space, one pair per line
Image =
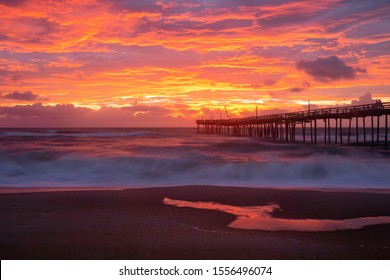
37,168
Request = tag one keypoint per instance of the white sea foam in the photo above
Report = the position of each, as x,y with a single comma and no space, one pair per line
181,157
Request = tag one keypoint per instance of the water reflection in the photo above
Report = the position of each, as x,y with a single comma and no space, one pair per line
259,217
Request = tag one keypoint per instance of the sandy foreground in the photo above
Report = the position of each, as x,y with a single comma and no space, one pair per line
136,224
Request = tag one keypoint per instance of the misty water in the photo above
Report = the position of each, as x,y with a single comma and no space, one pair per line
133,157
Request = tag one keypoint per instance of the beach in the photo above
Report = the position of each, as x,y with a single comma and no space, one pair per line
170,193
137,224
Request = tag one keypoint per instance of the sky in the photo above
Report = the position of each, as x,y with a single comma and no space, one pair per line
167,63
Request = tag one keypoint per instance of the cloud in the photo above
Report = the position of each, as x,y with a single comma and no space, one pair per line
118,52
186,26
12,2
21,96
34,27
68,115
270,82
364,99
296,89
16,77
328,68
326,42
284,20
135,6
230,75
133,56
147,109
3,37
228,24
349,14
275,51
29,30
370,30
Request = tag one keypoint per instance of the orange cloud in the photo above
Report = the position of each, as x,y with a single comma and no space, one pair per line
202,54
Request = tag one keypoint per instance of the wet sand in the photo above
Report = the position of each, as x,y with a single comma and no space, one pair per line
136,224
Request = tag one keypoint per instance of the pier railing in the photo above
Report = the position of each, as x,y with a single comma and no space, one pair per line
284,125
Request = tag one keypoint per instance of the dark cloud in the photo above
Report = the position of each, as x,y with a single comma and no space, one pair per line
4,73
12,2
186,26
360,70
358,18
329,42
358,6
328,68
349,14
284,20
186,6
296,89
339,17
269,82
16,77
301,88
21,96
41,114
376,49
3,37
135,6
370,30
246,3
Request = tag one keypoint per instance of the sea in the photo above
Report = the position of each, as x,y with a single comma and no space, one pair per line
154,157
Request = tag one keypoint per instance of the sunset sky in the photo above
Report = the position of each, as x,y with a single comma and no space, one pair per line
167,63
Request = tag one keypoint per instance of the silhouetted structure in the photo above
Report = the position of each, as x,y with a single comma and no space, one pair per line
340,125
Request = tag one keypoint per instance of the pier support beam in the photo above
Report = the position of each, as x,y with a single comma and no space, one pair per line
286,125
377,130
357,129
386,126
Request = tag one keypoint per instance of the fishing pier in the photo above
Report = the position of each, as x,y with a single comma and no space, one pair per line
361,124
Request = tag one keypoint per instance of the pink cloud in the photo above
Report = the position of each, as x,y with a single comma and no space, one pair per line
67,115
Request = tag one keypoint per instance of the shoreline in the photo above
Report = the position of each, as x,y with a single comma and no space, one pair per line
136,224
9,190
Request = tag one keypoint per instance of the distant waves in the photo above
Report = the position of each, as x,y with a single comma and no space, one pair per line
161,157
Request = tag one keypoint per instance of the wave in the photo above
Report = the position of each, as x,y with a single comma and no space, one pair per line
72,169
161,157
72,133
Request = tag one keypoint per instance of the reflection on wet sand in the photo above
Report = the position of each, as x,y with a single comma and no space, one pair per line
259,217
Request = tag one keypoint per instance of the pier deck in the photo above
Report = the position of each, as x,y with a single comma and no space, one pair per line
346,124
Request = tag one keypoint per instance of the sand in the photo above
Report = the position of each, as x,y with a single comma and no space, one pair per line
136,224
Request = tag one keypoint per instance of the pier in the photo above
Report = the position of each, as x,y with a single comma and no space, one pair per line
362,124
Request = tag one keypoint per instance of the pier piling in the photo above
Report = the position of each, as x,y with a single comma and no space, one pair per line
285,126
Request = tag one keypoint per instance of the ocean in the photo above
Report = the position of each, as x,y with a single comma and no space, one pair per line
153,157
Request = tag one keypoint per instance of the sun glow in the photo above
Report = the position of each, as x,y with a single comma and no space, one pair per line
95,54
